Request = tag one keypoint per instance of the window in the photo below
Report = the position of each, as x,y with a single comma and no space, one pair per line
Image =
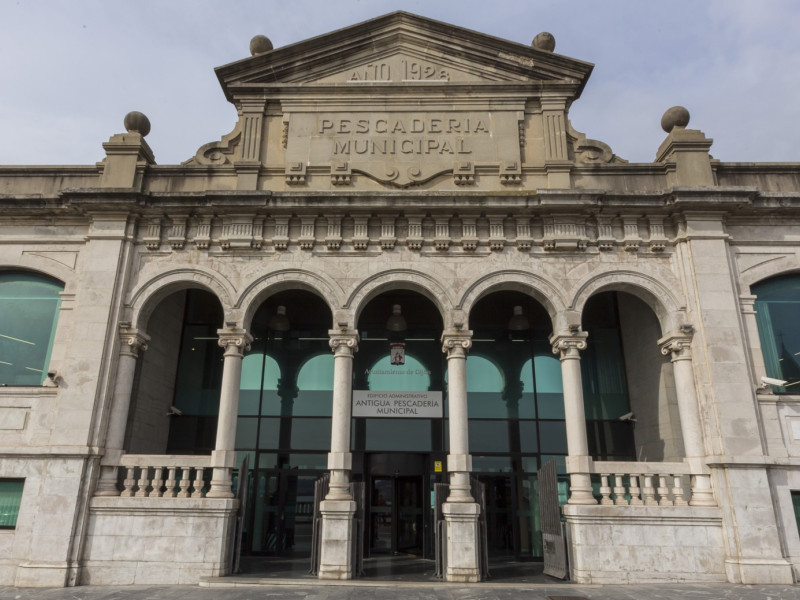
28,314
10,497
777,305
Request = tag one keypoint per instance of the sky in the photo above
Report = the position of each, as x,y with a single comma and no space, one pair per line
71,69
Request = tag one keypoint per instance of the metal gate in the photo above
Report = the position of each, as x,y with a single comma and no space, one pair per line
321,488
555,548
241,495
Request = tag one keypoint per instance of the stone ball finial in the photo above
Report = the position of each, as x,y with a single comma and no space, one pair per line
544,41
677,116
259,45
137,122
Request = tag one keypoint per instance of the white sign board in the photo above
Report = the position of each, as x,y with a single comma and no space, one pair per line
415,405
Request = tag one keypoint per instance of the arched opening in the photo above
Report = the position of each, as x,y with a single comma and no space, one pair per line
628,385
181,369
398,420
29,305
284,421
777,304
516,416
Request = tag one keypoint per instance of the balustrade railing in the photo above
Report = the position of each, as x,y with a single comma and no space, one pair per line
157,476
642,483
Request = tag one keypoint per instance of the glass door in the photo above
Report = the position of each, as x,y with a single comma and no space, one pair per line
396,515
380,517
408,502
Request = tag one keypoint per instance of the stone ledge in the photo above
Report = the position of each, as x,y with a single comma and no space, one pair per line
117,505
642,515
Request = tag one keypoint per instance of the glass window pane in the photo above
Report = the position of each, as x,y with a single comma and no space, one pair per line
488,436
246,433
311,434
268,436
413,376
10,499
492,464
549,389
394,434
317,462
317,373
28,314
553,437
528,436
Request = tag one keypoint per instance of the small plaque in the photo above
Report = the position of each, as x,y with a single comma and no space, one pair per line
437,466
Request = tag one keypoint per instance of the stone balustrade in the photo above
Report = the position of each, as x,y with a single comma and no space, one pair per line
164,476
642,483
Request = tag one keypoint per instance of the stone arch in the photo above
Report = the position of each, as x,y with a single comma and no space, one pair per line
397,279
146,297
286,279
543,291
773,267
647,288
40,265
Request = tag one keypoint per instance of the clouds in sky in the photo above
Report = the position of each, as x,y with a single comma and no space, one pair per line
70,71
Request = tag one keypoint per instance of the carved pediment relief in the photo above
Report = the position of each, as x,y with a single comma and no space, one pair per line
411,66
401,48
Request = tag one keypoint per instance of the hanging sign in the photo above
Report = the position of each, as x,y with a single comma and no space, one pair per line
415,405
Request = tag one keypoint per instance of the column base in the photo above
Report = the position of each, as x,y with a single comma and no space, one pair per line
220,489
759,571
463,545
336,547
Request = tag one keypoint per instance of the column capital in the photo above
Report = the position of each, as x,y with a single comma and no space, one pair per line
236,341
456,342
568,344
344,341
132,340
677,346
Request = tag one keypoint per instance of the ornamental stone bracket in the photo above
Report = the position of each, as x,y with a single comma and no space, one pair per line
464,173
341,174
295,173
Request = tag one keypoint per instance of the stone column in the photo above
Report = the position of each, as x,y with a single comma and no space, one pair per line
338,508
679,348
236,342
131,342
568,346
460,510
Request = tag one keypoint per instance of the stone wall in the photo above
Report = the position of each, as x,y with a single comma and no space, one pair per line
156,540
643,544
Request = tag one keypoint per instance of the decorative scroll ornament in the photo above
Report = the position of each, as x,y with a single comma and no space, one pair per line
235,341
677,347
218,153
132,340
569,345
457,344
344,343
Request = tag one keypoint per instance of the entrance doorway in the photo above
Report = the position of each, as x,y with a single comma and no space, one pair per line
396,515
399,521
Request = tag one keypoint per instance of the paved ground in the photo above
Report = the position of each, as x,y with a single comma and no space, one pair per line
409,591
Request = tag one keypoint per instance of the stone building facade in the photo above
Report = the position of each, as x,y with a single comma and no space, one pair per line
402,267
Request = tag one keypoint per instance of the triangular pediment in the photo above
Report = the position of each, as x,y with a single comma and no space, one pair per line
402,48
